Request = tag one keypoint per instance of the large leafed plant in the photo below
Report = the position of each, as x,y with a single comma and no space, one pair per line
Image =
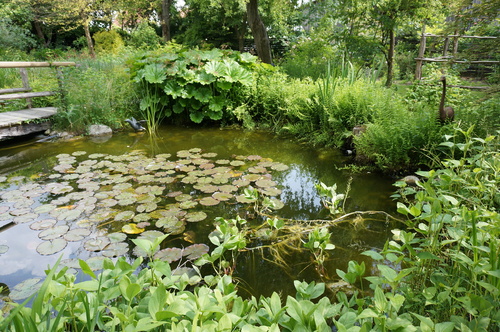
200,83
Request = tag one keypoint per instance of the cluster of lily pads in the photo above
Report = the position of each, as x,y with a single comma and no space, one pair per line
103,200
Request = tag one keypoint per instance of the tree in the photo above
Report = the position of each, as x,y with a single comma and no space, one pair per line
259,32
236,15
380,19
165,19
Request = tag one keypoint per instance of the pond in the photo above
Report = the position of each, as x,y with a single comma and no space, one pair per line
86,198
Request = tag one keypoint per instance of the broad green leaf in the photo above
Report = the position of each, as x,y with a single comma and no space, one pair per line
154,73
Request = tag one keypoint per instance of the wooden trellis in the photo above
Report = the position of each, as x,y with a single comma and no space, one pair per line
446,58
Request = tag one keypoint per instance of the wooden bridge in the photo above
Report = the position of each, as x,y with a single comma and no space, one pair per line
28,120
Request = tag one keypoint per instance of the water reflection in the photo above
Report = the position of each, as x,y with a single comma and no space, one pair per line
259,274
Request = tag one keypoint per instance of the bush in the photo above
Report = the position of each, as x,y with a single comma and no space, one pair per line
108,42
144,37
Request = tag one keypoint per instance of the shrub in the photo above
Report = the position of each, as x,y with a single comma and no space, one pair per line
108,42
144,37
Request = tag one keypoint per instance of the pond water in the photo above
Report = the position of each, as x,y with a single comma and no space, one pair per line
65,197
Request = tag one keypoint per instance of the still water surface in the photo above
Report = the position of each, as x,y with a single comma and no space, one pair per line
258,275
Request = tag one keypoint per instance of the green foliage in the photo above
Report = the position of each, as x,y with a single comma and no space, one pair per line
452,247
277,101
98,92
201,84
14,36
108,42
144,37
309,57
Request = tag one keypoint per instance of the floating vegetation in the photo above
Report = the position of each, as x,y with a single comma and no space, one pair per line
104,201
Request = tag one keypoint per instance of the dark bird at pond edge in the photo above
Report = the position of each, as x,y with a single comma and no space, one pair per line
136,125
446,114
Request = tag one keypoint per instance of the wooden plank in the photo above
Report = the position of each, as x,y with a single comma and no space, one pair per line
14,90
441,59
23,129
26,64
27,95
460,36
12,118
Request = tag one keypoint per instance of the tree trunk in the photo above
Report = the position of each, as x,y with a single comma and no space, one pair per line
165,19
240,33
259,32
390,58
90,43
39,32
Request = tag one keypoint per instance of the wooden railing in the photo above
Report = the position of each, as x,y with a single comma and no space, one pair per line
26,121
25,91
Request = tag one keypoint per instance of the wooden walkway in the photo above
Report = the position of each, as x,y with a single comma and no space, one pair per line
30,120
23,122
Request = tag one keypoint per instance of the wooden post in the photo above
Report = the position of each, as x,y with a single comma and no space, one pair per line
26,84
421,51
446,45
62,90
455,43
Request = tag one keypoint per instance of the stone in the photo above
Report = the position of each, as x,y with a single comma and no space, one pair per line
99,130
411,180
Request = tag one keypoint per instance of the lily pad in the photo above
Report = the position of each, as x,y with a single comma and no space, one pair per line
209,201
196,216
244,199
279,167
25,289
44,208
208,188
124,216
29,217
116,249
97,244
117,237
77,234
195,251
188,205
222,196
54,232
237,163
168,221
265,183
169,255
51,247
131,229
227,188
95,263
3,248
148,207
